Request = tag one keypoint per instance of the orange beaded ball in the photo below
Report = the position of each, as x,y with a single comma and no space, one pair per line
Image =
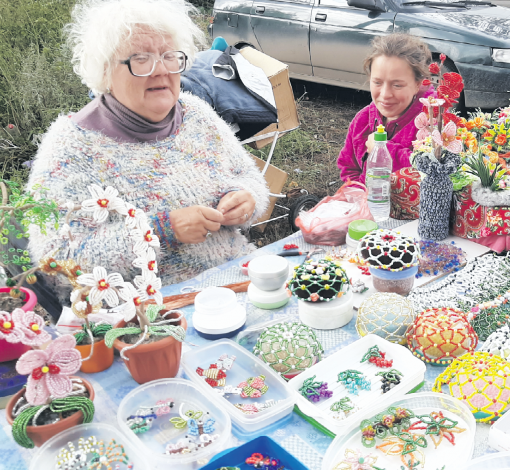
440,335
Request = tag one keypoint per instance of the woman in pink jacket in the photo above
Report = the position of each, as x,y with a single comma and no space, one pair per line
398,72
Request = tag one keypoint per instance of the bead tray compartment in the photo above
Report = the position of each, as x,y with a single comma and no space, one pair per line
327,370
46,457
453,457
499,461
499,434
154,441
245,366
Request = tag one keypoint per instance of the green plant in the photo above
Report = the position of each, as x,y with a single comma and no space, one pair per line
97,330
490,174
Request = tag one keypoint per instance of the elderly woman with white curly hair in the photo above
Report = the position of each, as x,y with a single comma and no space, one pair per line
165,152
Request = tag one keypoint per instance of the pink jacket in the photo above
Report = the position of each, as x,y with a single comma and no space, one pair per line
401,134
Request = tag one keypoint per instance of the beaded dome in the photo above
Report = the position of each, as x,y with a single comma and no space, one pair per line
389,250
318,281
288,348
481,380
387,315
439,335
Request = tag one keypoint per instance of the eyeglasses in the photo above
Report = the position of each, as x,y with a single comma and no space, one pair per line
143,64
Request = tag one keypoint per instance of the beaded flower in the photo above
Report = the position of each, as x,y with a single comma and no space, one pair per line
23,327
49,370
103,201
355,460
102,286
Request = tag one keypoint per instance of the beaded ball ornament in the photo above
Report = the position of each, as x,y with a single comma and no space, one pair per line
387,315
439,335
288,348
318,281
498,343
389,250
481,380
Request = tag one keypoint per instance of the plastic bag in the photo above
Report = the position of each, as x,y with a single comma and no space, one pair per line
327,222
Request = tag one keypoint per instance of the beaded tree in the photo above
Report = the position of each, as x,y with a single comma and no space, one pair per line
288,348
439,335
318,281
481,380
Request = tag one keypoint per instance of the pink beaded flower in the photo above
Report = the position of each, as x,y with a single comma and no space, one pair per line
164,409
23,327
49,370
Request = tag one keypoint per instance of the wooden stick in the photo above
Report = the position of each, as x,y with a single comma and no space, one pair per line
173,302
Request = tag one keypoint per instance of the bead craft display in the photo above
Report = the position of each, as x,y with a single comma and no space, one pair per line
486,320
390,378
318,281
313,390
354,381
498,343
288,348
216,374
387,315
439,335
374,356
262,462
389,250
357,460
439,258
481,380
254,387
142,420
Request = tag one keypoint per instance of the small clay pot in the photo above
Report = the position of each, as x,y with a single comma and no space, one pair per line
10,351
40,434
153,361
102,357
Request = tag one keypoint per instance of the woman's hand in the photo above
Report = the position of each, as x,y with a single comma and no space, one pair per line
370,142
192,224
237,207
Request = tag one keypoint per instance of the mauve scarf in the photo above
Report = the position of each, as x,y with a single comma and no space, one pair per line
107,115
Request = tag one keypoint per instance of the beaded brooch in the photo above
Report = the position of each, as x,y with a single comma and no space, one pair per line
314,391
353,381
216,374
374,356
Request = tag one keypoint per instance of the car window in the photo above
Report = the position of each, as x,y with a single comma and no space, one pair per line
334,3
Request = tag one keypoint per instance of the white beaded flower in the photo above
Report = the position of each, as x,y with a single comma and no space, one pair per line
103,201
135,217
149,283
143,238
133,297
147,261
102,285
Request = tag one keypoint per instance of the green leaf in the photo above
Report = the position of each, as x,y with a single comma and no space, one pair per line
113,334
152,312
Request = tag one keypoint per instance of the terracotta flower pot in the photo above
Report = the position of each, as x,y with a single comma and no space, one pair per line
10,351
102,357
157,360
40,434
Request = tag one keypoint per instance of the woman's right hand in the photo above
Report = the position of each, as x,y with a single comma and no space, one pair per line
192,224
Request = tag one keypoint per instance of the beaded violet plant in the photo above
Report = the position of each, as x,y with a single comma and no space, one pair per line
439,335
389,250
318,281
481,380
23,327
100,288
51,394
288,348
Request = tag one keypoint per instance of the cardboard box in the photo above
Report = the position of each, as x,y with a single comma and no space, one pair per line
275,180
278,74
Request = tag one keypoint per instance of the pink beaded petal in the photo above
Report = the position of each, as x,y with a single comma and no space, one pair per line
33,339
37,391
59,385
68,361
31,360
63,342
25,320
15,334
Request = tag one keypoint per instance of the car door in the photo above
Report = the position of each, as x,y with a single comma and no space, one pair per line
340,38
282,30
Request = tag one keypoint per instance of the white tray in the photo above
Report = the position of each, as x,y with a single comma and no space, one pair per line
452,457
327,370
499,434
498,461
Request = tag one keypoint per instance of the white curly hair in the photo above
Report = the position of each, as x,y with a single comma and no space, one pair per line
100,27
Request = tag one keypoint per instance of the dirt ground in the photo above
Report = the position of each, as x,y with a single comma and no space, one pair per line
309,154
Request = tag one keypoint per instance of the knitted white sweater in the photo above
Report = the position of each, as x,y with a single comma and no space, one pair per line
197,166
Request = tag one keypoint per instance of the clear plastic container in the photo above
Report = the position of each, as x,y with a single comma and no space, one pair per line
153,442
398,282
452,457
46,457
327,370
245,366
499,434
327,315
499,461
268,272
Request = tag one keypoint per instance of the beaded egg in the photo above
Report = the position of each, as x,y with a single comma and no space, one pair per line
387,315
439,335
318,281
481,380
288,348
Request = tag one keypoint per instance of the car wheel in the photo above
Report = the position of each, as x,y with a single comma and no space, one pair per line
303,203
449,67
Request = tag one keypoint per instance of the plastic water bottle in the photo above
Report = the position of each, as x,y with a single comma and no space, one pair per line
379,167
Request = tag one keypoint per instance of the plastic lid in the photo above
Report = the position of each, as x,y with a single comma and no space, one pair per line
380,135
268,266
215,300
359,228
227,322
